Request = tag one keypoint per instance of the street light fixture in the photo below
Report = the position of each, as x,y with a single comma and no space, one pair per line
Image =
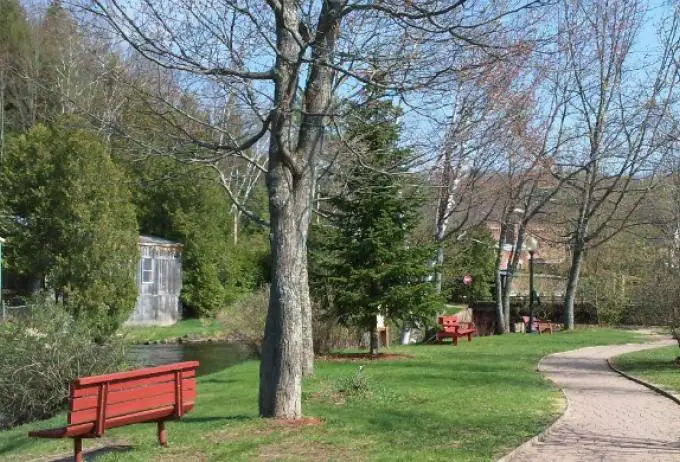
531,246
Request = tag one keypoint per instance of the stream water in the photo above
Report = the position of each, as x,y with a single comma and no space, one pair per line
213,356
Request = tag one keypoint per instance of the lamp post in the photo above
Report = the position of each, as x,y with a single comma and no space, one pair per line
532,245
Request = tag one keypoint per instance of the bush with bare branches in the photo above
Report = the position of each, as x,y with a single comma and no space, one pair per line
42,352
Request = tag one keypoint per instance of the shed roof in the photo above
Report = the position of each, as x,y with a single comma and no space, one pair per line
153,240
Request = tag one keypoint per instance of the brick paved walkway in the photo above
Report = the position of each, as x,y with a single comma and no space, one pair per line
608,417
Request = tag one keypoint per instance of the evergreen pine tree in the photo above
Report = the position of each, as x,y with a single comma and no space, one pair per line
366,255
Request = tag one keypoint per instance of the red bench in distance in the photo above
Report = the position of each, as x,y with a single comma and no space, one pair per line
454,328
100,402
540,326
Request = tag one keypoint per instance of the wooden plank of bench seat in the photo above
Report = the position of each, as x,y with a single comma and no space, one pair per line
149,415
69,431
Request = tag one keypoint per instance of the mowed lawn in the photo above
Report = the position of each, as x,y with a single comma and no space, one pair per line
472,402
656,366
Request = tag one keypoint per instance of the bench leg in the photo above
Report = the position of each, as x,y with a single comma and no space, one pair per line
455,340
78,449
162,434
469,337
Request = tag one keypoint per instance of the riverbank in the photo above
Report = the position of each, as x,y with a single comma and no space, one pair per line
441,402
185,331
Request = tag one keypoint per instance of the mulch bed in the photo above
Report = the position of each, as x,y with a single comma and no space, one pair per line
364,357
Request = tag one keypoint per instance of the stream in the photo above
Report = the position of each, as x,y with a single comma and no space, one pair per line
213,357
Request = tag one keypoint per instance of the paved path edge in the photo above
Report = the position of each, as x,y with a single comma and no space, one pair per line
670,395
538,437
666,393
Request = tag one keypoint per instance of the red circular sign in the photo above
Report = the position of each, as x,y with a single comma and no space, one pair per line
467,280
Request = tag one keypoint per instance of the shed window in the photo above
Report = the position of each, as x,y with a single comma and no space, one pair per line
147,270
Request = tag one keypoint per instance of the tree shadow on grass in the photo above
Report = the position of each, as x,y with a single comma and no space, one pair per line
227,418
95,454
216,380
15,443
460,430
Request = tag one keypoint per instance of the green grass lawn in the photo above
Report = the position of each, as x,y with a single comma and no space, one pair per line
202,328
470,403
656,366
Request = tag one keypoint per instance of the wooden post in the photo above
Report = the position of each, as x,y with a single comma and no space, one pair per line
179,398
102,396
162,434
78,449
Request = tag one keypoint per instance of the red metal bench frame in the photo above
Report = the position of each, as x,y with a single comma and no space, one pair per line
454,329
100,402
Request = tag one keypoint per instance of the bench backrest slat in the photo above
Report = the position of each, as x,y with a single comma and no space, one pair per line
132,407
97,379
127,394
137,393
78,391
450,323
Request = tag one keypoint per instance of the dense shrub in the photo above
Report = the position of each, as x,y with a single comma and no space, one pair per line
549,308
330,335
42,352
69,222
244,320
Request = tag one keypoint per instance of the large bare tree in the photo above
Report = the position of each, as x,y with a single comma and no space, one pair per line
289,63
619,104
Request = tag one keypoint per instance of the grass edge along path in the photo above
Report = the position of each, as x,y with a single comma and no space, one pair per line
475,402
656,366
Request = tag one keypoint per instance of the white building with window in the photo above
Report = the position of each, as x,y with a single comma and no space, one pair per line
159,281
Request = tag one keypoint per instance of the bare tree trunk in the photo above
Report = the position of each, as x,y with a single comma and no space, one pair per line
289,201
307,323
510,274
282,351
375,339
236,215
500,318
439,259
572,284
2,116
290,183
445,206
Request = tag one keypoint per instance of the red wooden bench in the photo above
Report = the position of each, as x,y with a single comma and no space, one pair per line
454,328
100,402
540,326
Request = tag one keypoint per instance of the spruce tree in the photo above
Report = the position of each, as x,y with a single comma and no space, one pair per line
365,254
